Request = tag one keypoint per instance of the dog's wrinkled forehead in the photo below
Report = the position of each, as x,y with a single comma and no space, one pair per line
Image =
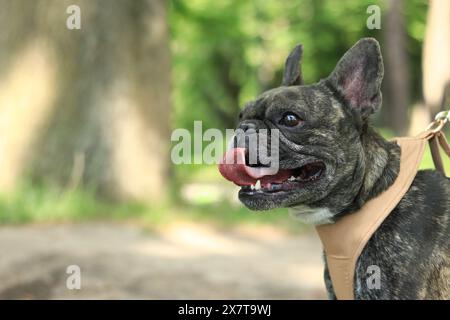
275,97
307,100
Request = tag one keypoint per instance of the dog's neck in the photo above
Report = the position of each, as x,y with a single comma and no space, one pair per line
381,166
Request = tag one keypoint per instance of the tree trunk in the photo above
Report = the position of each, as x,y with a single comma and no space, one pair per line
396,70
436,54
86,107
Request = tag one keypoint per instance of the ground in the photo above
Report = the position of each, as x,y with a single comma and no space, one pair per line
185,261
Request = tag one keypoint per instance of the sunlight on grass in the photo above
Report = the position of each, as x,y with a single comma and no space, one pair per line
48,205
43,204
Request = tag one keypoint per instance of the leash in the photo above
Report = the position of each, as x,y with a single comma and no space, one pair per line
438,139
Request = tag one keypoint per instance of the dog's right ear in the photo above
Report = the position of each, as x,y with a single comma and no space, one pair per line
292,69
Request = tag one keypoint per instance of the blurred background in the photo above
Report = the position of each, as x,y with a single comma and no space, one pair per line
86,117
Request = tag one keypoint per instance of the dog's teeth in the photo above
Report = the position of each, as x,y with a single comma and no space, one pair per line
258,185
292,178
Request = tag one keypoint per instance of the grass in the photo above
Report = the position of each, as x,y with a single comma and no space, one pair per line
43,204
50,205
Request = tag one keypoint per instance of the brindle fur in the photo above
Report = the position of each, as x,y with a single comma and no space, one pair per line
412,246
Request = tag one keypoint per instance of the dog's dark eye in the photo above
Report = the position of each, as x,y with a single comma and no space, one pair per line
290,120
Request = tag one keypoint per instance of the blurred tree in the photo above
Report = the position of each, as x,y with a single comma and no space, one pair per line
397,79
85,107
436,55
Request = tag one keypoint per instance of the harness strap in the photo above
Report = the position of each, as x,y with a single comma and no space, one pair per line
344,240
439,140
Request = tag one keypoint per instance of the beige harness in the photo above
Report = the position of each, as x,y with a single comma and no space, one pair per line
344,240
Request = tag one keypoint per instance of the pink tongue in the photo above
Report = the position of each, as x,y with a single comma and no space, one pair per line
233,168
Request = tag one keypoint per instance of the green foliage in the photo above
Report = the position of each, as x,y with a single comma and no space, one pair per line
225,52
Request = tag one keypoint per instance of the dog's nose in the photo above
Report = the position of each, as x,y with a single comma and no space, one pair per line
247,125
244,131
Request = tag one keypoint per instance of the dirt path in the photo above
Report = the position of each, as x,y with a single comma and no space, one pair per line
184,261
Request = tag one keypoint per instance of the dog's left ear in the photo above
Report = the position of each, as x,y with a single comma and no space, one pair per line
292,69
358,75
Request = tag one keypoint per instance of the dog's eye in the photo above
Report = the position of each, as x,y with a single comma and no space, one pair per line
290,120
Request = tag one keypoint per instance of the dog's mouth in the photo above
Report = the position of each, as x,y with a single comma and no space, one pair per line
267,180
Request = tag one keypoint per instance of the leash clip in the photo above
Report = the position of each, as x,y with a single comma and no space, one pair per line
443,115
439,121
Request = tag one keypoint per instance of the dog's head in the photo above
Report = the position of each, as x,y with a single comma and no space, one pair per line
320,128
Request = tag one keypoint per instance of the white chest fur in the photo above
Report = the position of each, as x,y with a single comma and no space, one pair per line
315,216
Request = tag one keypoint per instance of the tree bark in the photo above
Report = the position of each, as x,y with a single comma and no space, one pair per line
396,70
86,107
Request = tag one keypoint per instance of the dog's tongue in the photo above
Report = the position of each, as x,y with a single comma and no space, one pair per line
233,168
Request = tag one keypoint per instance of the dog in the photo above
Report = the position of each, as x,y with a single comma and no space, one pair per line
332,161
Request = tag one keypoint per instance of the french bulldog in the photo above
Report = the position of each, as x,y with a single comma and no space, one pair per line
332,161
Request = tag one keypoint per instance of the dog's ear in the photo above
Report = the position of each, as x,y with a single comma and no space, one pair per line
358,75
292,69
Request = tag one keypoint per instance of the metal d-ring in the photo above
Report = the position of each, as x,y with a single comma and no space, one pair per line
439,121
443,115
